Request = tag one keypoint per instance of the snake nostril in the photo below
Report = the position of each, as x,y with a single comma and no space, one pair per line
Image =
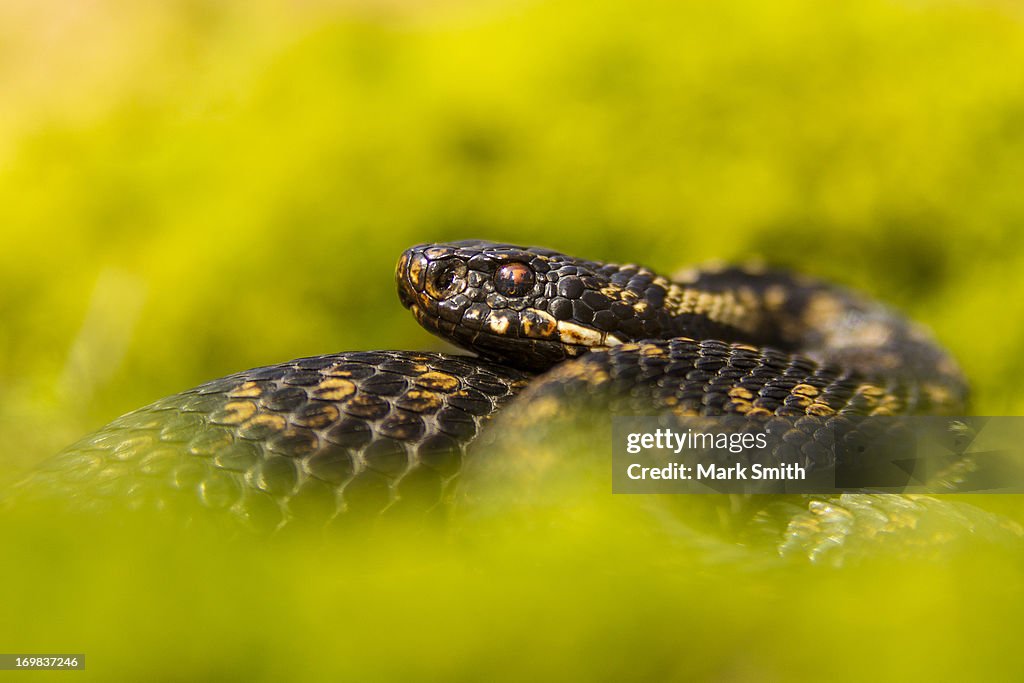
410,276
445,278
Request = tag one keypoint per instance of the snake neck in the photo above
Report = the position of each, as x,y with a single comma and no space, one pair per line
829,325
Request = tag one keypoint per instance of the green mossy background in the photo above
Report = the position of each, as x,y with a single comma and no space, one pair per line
190,188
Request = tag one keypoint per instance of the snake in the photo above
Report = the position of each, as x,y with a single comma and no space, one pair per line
371,434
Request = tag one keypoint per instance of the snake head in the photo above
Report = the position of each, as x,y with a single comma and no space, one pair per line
527,306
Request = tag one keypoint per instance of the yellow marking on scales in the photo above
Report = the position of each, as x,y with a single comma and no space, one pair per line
651,350
233,413
246,390
823,310
819,409
725,308
798,401
498,323
334,389
437,381
273,422
588,372
538,324
423,401
741,393
622,294
741,406
578,335
805,390
938,394
318,417
775,297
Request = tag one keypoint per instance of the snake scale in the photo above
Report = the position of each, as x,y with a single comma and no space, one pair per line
341,436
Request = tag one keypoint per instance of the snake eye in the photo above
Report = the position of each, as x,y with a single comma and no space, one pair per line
514,279
445,278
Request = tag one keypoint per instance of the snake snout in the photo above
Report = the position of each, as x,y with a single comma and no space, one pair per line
410,277
405,295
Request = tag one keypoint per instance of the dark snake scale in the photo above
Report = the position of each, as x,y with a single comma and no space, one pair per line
340,436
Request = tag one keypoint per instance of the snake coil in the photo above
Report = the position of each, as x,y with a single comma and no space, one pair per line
332,437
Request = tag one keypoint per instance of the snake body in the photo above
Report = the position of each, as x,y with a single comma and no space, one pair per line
351,433
333,436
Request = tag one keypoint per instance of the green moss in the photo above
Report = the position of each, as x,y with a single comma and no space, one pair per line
249,174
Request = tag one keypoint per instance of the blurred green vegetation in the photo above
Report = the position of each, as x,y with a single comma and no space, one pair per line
605,598
190,188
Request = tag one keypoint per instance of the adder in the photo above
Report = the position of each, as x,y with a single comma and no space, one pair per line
341,436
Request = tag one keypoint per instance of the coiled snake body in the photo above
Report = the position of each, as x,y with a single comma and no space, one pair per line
332,436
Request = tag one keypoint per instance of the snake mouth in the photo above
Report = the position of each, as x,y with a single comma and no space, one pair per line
517,338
